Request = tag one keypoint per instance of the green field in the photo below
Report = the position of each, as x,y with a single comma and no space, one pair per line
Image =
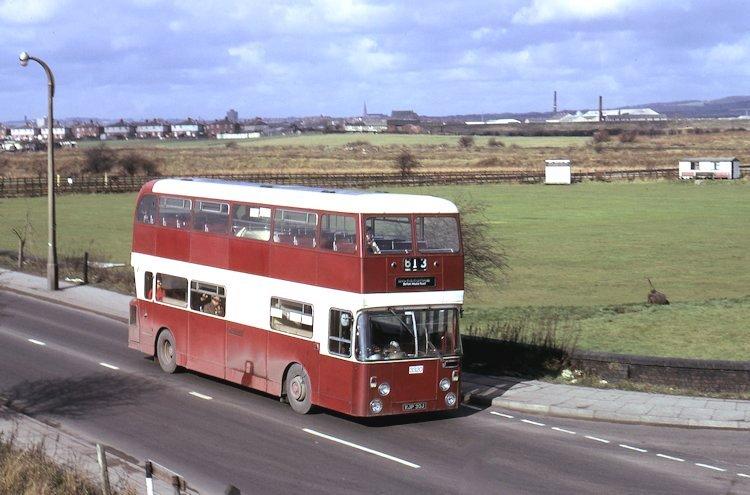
578,255
333,140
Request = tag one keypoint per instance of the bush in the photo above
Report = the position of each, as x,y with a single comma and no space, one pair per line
466,141
495,143
628,136
131,163
99,160
406,162
600,136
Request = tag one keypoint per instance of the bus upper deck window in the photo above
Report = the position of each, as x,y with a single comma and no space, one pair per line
388,235
251,222
338,233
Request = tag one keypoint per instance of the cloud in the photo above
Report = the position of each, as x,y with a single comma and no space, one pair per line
249,53
365,56
544,11
29,11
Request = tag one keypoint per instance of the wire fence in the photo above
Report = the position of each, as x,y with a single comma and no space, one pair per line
37,186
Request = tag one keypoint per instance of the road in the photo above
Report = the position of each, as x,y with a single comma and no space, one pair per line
74,369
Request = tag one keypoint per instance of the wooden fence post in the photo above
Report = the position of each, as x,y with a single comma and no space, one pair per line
86,268
101,456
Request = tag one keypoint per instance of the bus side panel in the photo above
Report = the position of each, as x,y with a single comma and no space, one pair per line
249,256
338,271
173,243
283,350
209,249
246,356
176,320
453,272
144,238
293,263
374,274
206,344
336,383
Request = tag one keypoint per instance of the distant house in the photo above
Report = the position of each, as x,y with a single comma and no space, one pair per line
223,126
119,130
87,130
60,133
25,134
404,122
709,168
255,125
366,124
187,129
152,130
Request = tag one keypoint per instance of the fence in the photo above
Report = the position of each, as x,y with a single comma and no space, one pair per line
37,186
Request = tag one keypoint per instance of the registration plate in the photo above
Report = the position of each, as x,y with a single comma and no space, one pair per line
414,406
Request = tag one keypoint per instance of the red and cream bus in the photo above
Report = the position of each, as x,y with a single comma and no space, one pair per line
348,300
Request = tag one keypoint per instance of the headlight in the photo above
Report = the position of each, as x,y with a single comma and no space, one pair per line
450,400
376,406
445,384
384,389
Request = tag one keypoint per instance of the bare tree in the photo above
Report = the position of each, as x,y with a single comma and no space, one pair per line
23,235
406,162
485,259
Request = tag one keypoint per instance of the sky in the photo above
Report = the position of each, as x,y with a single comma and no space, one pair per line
141,59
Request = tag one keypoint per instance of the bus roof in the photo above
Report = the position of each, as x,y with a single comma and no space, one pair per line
339,200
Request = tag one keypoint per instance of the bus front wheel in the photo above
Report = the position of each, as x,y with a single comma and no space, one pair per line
298,389
166,352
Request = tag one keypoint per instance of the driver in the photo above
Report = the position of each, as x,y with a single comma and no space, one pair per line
394,351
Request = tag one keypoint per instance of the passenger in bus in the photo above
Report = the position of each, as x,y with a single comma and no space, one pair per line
214,307
372,246
159,291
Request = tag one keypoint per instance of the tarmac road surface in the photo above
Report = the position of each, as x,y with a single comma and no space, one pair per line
74,369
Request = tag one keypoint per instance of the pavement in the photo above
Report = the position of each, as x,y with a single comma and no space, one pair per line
529,396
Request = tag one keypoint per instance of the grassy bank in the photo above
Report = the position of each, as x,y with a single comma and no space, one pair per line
578,255
32,472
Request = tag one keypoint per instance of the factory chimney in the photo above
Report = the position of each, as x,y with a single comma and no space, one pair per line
601,111
554,102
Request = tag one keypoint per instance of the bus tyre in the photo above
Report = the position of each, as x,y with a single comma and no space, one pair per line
298,389
166,352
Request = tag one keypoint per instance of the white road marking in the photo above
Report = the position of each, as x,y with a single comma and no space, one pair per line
708,466
110,366
37,342
597,439
563,430
632,448
360,447
201,396
472,407
532,422
743,475
664,456
501,414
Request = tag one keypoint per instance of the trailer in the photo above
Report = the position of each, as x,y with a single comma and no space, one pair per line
710,168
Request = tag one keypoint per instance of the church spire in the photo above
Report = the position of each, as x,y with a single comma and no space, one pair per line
364,110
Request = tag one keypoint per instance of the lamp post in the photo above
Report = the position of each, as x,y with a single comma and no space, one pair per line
52,268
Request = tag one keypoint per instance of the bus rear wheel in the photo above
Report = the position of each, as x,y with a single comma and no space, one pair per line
166,352
298,389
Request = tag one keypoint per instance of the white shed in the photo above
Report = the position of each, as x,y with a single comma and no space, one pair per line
710,168
557,171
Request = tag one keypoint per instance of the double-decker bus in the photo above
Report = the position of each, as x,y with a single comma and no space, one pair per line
348,300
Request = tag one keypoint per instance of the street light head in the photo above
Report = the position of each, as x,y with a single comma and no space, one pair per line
24,58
